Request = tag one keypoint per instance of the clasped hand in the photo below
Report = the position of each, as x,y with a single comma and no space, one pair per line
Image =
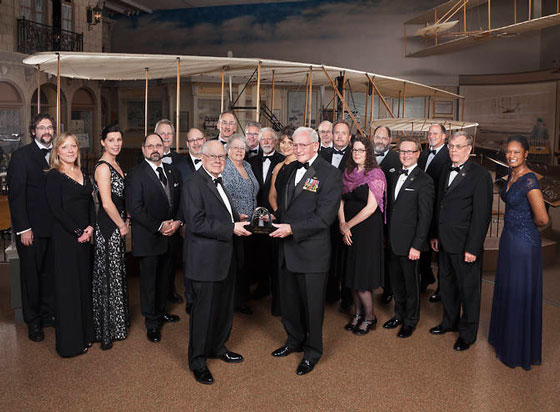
86,236
169,227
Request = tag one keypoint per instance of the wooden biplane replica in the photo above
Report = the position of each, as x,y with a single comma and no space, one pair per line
457,24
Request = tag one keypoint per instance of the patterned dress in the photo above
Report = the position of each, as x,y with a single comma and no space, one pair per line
110,286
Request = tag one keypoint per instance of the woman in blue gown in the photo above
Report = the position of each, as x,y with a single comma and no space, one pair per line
516,321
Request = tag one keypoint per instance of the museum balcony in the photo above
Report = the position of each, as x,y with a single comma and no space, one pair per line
36,37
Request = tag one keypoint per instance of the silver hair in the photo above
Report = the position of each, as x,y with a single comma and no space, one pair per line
167,122
268,129
209,142
311,132
235,137
326,121
468,138
253,124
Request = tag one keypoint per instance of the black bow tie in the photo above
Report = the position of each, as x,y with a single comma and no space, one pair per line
338,152
403,172
300,165
265,158
434,152
197,161
253,151
166,155
379,154
455,169
45,152
217,180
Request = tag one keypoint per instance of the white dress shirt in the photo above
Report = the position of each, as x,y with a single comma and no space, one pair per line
223,195
337,158
301,171
453,174
197,165
431,157
402,178
266,165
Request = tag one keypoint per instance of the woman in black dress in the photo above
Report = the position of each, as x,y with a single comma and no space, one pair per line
69,195
361,224
110,286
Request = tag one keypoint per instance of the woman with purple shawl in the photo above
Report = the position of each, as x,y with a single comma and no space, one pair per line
361,224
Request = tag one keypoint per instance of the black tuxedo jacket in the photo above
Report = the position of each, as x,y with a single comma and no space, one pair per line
148,206
208,245
390,162
310,211
264,181
26,191
440,160
411,213
178,161
327,154
463,210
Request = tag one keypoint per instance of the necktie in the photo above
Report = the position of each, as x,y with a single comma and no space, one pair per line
162,177
432,152
45,152
300,165
217,181
338,152
455,169
197,161
403,172
265,158
379,154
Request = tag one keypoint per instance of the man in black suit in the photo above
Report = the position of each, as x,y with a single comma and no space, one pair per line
411,197
308,202
264,248
432,161
31,222
152,195
337,156
388,160
195,141
227,126
325,135
211,222
252,130
463,212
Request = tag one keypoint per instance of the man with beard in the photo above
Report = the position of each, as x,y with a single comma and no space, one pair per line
195,141
325,135
227,126
152,191
31,221
252,138
388,160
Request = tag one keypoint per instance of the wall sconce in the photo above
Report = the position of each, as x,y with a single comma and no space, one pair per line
94,14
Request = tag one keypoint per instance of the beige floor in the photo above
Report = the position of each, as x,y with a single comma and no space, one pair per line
374,372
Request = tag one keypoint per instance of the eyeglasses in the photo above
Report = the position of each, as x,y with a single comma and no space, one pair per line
302,145
43,128
154,146
359,150
407,152
195,140
324,131
457,146
215,158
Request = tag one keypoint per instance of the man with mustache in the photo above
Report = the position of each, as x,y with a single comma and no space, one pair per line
32,221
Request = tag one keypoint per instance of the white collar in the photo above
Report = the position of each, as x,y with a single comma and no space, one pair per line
153,165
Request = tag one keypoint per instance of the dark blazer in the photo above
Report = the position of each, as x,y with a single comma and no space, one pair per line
327,154
264,181
208,245
26,183
148,206
310,214
411,213
463,210
390,162
178,161
440,160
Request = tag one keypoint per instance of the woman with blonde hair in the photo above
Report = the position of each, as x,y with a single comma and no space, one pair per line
69,196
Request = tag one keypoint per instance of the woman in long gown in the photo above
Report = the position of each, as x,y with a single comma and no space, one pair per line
361,224
516,321
110,286
69,195
286,147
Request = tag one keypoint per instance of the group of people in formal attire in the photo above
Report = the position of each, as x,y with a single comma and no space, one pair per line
348,215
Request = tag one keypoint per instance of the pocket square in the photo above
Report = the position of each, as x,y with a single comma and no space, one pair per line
175,184
408,189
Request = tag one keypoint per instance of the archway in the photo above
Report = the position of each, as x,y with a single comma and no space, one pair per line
12,129
83,115
48,104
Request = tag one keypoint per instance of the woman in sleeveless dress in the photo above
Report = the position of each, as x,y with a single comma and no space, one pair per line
110,286
516,321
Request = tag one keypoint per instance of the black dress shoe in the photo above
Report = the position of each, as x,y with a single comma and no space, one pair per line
305,367
386,298
175,298
392,323
354,322
244,309
439,330
36,334
203,375
48,321
168,317
154,335
461,344
370,324
435,297
284,351
405,332
231,357
106,346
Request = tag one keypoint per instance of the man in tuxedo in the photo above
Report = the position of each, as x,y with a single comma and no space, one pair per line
195,141
463,212
210,261
262,165
432,160
252,137
339,153
411,196
388,160
227,126
325,135
32,224
152,195
166,130
307,206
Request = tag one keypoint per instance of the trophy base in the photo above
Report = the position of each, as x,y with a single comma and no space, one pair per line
256,230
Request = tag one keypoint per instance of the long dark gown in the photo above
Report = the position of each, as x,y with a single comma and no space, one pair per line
72,206
364,258
516,322
110,286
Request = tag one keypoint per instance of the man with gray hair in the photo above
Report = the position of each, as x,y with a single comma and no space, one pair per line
325,135
252,130
308,200
167,132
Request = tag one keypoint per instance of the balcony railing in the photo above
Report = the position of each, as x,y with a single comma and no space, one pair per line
36,37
